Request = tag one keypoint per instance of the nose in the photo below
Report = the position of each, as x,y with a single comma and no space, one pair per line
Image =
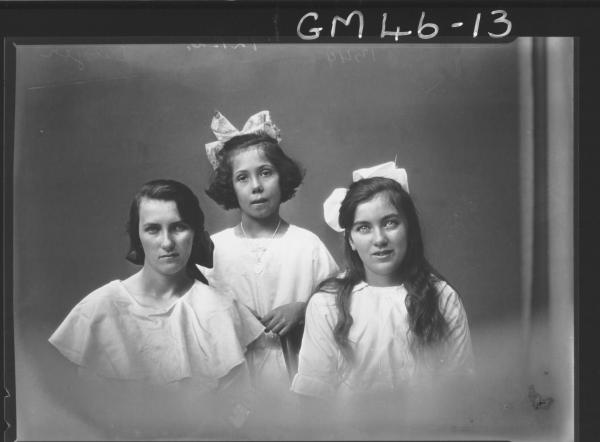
257,186
379,237
167,241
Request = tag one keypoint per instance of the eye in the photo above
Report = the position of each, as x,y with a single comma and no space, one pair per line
151,229
181,227
391,223
266,172
241,178
362,228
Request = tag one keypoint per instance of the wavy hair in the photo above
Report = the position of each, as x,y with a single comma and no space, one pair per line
221,188
190,212
427,326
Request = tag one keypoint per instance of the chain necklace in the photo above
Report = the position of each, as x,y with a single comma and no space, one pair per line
260,250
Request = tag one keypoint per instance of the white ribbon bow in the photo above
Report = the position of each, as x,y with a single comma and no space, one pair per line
331,206
224,131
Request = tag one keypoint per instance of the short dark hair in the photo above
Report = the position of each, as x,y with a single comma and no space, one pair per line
221,185
190,212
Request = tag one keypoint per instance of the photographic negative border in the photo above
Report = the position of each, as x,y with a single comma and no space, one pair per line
108,22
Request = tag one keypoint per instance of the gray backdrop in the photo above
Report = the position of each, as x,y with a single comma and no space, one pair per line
95,122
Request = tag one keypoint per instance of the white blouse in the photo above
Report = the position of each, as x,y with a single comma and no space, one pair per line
379,339
201,336
263,274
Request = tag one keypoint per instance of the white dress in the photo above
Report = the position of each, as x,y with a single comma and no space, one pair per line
378,337
265,273
199,338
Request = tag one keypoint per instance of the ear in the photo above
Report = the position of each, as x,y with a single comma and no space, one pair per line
351,243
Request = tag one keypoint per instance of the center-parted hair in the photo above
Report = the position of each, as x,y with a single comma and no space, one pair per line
221,185
427,326
190,212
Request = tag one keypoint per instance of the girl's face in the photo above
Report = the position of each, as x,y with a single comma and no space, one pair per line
379,236
256,183
166,239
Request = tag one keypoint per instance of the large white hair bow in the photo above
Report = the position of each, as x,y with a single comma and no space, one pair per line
331,206
224,131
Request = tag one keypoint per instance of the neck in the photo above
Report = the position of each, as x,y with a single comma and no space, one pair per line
261,228
383,281
158,285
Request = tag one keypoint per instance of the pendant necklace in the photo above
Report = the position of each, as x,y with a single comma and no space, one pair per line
259,249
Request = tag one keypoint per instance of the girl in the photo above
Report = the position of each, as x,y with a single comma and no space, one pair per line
390,318
266,263
162,330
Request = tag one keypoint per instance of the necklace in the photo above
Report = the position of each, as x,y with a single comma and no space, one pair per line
260,249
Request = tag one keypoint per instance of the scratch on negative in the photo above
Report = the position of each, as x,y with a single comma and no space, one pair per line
71,83
276,23
435,86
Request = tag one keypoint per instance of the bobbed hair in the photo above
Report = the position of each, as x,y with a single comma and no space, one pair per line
221,188
190,212
427,326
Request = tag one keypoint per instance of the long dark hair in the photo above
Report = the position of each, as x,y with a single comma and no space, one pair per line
427,326
190,212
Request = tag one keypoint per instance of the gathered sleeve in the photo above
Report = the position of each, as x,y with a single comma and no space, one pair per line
319,359
458,349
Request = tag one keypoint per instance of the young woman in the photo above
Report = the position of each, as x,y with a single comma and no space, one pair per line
390,319
264,262
162,329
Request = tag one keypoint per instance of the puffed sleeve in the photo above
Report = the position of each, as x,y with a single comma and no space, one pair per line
324,266
458,357
319,354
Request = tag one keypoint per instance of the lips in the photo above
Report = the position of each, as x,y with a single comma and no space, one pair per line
259,201
382,253
170,255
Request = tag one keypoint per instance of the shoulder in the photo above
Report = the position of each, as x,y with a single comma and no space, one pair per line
321,309
223,235
322,300
450,302
102,296
207,300
303,234
306,241
101,303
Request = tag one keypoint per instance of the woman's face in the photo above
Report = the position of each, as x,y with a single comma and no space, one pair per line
166,239
379,236
256,183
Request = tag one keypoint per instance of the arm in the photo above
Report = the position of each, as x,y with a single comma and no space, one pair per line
458,355
319,359
282,319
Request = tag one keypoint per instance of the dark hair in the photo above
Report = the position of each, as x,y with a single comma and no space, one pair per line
427,326
190,212
221,186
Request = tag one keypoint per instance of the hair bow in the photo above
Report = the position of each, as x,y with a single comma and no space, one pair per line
224,131
331,206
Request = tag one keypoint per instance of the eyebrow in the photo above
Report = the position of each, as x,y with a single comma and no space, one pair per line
383,218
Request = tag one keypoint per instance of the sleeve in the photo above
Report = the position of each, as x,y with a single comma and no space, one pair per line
250,328
84,339
73,337
458,350
319,355
324,265
229,336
